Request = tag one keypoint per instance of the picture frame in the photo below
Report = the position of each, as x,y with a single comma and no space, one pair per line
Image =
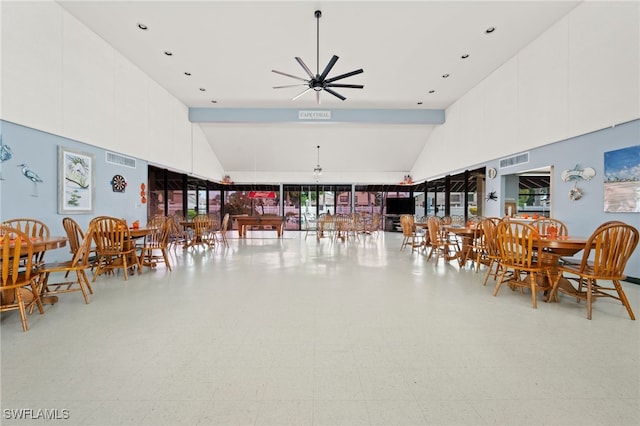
76,186
621,183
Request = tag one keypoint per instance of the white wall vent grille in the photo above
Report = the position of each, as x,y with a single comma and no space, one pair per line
516,159
120,160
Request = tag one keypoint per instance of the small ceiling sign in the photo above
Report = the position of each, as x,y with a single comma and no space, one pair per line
262,194
314,115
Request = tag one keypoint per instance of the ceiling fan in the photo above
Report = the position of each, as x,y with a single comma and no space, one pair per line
320,82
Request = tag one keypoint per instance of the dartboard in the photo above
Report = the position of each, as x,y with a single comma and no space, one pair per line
118,183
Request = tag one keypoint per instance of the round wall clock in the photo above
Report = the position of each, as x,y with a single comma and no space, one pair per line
118,183
491,173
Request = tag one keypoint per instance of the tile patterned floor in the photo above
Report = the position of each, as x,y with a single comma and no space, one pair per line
295,332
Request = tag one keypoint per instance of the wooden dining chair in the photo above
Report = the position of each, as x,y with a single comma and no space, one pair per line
494,266
81,261
542,225
411,237
177,234
222,230
373,226
202,231
75,236
310,226
438,242
520,257
453,220
18,280
114,246
476,249
156,241
603,260
344,226
156,221
34,228
326,226
74,232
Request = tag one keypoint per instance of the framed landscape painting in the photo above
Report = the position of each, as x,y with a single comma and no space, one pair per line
75,181
622,180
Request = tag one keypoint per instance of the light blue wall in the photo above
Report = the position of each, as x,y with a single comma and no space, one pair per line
584,215
19,197
40,151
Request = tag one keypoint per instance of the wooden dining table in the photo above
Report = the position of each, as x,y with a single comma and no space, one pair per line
466,234
141,232
41,244
275,222
555,248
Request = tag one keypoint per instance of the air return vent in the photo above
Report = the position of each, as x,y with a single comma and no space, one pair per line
120,160
516,159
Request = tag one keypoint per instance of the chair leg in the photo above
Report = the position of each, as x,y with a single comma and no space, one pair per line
125,266
534,297
83,287
86,281
589,297
623,298
489,268
404,243
98,270
166,259
23,313
499,283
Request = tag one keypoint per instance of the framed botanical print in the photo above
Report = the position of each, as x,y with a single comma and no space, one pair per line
75,181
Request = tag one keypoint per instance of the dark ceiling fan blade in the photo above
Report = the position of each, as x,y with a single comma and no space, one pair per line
300,94
349,86
327,69
349,74
289,75
306,68
337,95
290,85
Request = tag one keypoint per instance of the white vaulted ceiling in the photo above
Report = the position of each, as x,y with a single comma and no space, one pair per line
230,48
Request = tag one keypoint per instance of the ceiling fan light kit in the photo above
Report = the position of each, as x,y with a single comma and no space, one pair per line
318,82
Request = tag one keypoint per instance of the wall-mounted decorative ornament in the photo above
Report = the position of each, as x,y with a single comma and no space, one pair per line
118,183
575,193
407,180
5,153
492,196
32,176
143,193
577,173
491,173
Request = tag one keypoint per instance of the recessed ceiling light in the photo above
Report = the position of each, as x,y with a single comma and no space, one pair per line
143,27
202,89
465,56
490,30
187,73
445,75
168,53
432,91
